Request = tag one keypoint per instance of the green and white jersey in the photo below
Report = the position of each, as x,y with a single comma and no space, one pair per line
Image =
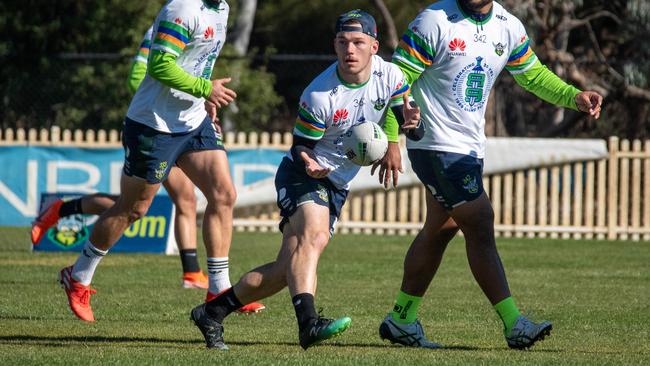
194,31
456,61
329,107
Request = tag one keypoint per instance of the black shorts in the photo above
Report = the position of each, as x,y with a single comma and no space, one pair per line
150,154
452,179
295,188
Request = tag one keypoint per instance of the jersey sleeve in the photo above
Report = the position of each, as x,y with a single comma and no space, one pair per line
416,50
400,87
139,66
310,123
174,28
521,56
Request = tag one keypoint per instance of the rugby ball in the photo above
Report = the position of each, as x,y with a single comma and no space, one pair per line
364,143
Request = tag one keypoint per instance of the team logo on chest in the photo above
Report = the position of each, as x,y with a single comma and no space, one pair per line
379,104
472,85
340,117
499,48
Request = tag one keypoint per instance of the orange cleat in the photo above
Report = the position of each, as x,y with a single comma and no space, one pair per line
252,308
195,280
45,220
78,295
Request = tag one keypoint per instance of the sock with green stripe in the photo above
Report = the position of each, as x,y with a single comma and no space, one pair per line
508,312
406,307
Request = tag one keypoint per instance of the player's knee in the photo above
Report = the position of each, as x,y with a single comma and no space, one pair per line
316,239
136,213
225,197
186,203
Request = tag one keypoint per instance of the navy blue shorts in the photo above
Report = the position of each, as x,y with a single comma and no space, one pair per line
452,179
150,154
295,188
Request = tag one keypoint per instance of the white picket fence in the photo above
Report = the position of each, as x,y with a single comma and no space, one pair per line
601,199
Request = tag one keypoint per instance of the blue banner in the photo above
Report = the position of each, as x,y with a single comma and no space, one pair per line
27,171
154,233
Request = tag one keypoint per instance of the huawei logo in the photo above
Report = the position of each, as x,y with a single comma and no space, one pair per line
178,21
208,33
340,116
457,44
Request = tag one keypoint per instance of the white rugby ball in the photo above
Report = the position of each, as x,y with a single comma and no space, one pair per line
364,143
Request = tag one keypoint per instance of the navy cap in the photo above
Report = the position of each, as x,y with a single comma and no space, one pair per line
368,24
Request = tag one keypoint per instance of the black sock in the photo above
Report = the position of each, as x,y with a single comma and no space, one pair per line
305,310
219,308
71,207
190,261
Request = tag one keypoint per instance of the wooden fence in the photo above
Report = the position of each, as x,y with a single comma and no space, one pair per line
600,199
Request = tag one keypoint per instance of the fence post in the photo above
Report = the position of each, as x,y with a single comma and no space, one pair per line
577,197
636,189
531,200
519,203
646,190
612,183
555,199
589,198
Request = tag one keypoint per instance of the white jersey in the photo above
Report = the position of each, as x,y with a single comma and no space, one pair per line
330,106
195,32
459,59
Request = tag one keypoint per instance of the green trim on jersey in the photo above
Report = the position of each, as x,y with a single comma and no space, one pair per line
469,17
391,127
349,85
163,67
136,74
547,86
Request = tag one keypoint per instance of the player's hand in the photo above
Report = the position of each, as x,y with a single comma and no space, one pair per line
411,114
221,96
390,165
211,108
312,168
589,102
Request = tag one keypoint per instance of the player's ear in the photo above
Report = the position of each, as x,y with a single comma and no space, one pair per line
375,46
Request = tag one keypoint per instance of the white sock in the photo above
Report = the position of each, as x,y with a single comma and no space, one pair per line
84,268
218,275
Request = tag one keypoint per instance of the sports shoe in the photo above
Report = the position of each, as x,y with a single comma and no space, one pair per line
195,280
526,332
78,295
322,329
45,220
252,308
212,330
410,335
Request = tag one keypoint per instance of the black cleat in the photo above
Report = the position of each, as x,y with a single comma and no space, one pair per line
322,329
212,330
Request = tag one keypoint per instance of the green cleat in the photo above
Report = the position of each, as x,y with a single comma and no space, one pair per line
322,329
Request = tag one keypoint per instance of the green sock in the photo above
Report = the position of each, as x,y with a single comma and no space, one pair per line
508,312
406,308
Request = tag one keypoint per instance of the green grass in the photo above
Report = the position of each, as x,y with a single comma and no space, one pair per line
596,293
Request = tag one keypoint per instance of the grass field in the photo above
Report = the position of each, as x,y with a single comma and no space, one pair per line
597,294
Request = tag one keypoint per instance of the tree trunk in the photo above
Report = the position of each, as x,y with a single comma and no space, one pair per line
390,24
241,34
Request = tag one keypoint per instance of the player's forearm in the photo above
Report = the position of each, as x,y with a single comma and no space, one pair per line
136,75
391,125
547,86
163,67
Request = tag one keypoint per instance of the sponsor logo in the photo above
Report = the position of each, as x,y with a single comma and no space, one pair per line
340,116
472,85
470,184
209,33
378,73
499,48
162,169
457,47
404,312
148,227
523,39
501,17
334,91
178,21
452,17
69,232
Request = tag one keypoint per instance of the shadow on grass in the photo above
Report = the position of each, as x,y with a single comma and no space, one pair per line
63,341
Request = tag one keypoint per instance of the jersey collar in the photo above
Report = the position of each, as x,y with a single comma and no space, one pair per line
476,18
348,85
